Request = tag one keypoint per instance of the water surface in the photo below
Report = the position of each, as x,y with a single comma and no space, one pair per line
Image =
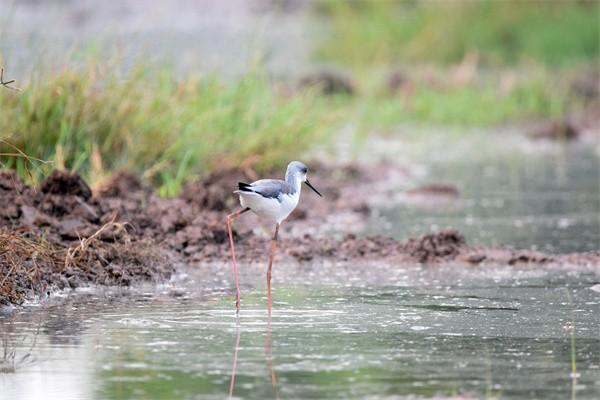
426,333
512,191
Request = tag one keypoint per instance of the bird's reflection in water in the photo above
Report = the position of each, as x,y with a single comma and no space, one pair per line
268,355
235,355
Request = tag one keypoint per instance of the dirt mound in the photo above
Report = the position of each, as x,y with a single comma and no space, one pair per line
328,82
42,233
121,184
13,192
443,245
435,189
399,81
32,266
349,248
554,130
586,85
10,182
65,182
215,191
430,248
507,255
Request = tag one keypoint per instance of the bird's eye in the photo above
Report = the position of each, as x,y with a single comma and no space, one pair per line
305,170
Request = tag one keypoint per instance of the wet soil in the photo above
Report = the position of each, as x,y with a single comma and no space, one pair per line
555,130
434,190
328,82
63,235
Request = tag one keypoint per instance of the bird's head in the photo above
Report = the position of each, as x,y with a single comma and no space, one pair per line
300,170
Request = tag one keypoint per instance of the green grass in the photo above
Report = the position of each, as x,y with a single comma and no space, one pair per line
364,33
518,56
478,103
166,130
172,130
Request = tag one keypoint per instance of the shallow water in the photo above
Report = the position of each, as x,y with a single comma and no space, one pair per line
512,191
426,332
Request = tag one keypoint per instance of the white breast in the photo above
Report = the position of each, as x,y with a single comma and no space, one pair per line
288,204
270,209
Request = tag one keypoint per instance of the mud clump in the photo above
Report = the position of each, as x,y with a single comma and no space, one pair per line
10,182
443,245
433,247
12,193
328,83
63,195
586,85
507,255
122,184
64,182
350,247
435,189
554,130
398,82
215,191
528,257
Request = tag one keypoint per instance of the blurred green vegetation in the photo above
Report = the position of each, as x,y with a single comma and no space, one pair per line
372,32
477,102
466,63
171,130
166,130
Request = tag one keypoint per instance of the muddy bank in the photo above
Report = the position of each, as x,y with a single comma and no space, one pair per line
60,236
63,235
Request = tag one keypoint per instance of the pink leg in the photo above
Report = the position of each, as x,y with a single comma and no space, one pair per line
272,255
230,219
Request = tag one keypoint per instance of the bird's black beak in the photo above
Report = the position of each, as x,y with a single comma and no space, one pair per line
312,187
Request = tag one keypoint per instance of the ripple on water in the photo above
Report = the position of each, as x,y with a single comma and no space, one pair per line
406,340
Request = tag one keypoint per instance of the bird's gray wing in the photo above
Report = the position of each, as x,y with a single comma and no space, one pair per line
270,188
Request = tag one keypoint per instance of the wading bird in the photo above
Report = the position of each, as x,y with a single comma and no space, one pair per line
272,200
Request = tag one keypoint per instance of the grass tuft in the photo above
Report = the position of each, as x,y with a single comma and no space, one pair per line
166,129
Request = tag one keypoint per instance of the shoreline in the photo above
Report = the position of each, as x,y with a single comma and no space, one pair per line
64,236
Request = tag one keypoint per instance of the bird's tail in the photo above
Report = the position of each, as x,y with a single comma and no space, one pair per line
244,187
